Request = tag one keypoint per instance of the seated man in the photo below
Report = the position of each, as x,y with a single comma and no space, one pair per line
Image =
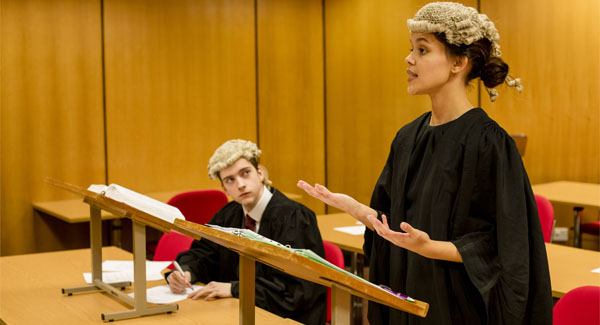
261,208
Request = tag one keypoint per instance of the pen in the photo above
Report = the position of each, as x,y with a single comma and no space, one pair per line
178,267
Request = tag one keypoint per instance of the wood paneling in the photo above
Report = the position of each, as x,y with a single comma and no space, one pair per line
367,103
51,115
553,47
180,81
183,76
290,92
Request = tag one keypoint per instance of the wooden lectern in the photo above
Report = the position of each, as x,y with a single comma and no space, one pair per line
342,283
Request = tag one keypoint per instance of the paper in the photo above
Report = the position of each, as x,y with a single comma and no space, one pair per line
352,230
163,295
110,277
596,270
118,271
141,202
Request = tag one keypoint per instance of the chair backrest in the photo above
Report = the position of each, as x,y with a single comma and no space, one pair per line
546,214
578,306
199,206
171,244
333,254
521,142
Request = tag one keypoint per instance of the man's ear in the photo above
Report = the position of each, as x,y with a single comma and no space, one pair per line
261,171
460,63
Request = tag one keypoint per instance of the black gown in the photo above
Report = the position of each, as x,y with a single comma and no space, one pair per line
463,182
284,221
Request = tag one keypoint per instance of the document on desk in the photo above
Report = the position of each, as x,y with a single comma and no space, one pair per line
163,295
118,271
352,230
139,201
596,270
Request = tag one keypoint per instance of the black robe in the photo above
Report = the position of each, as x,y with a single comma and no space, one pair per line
284,221
463,182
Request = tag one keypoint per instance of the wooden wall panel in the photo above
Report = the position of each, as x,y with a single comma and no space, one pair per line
51,115
180,81
290,92
553,47
367,103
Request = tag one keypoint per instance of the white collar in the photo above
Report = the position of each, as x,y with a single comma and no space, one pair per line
258,210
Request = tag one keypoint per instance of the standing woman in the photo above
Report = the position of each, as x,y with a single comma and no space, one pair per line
452,219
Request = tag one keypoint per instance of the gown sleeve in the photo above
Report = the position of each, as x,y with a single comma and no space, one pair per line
202,259
280,292
500,240
380,201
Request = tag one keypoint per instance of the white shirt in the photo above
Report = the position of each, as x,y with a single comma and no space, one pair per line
258,210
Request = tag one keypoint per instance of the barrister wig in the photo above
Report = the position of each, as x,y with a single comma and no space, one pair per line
230,152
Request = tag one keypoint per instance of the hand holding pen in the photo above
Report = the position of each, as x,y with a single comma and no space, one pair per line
178,280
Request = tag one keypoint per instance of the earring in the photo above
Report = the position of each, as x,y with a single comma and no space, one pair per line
493,94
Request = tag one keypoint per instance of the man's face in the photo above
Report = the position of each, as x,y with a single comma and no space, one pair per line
243,183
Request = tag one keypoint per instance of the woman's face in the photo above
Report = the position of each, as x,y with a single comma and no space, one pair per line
429,68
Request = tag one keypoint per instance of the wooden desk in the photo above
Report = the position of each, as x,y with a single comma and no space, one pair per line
571,268
30,293
347,242
571,193
578,195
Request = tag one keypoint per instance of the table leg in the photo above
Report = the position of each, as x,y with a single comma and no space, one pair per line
577,227
357,265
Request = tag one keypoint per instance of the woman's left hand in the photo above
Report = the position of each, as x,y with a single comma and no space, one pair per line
412,239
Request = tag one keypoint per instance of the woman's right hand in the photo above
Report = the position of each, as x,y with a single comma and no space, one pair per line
336,200
341,201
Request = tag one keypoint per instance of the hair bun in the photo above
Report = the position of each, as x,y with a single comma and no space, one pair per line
494,72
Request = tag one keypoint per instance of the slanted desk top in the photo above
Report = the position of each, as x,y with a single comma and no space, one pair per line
75,211
569,267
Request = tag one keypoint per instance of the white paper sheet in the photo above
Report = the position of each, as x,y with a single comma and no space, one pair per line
116,271
163,295
110,277
596,270
352,230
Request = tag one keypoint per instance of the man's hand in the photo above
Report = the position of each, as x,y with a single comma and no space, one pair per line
177,283
212,291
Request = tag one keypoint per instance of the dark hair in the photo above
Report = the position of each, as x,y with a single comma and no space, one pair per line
492,70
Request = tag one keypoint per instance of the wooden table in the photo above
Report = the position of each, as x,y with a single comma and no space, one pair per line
571,268
30,293
345,241
578,195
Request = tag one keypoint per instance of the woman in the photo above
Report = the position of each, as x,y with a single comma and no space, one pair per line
452,219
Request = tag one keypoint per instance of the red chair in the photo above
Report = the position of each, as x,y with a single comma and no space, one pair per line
171,244
199,206
592,228
333,254
578,306
546,214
